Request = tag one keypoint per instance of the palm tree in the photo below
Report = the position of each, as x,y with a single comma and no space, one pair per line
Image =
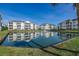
77,9
76,5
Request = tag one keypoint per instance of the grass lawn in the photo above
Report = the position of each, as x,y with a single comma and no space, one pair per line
71,44
68,48
3,33
43,30
13,51
20,31
67,30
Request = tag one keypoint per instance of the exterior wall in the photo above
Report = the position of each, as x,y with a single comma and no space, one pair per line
75,24
27,26
36,27
21,26
47,27
68,25
14,25
52,27
32,26
62,25
42,27
10,26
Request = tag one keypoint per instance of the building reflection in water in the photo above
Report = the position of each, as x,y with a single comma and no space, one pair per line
47,34
22,36
28,36
66,36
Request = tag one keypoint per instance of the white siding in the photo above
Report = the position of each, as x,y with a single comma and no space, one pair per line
36,27
14,25
72,24
32,26
47,26
22,26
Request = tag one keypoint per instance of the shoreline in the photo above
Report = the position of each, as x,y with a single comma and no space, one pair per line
3,34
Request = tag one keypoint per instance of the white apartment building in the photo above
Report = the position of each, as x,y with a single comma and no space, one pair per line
62,25
47,26
68,24
75,24
22,25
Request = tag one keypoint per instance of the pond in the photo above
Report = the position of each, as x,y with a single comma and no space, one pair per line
37,39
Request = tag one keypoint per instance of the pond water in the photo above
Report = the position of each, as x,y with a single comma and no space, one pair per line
37,39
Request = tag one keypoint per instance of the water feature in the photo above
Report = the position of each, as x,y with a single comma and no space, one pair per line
37,39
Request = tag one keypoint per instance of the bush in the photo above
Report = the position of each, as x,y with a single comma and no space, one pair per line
4,28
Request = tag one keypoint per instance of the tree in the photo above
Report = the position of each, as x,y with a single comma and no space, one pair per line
0,23
4,28
77,9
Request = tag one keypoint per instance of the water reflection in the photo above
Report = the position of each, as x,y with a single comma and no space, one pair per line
66,36
47,34
22,36
37,39
28,36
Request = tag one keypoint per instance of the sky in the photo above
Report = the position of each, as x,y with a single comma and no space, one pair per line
37,13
